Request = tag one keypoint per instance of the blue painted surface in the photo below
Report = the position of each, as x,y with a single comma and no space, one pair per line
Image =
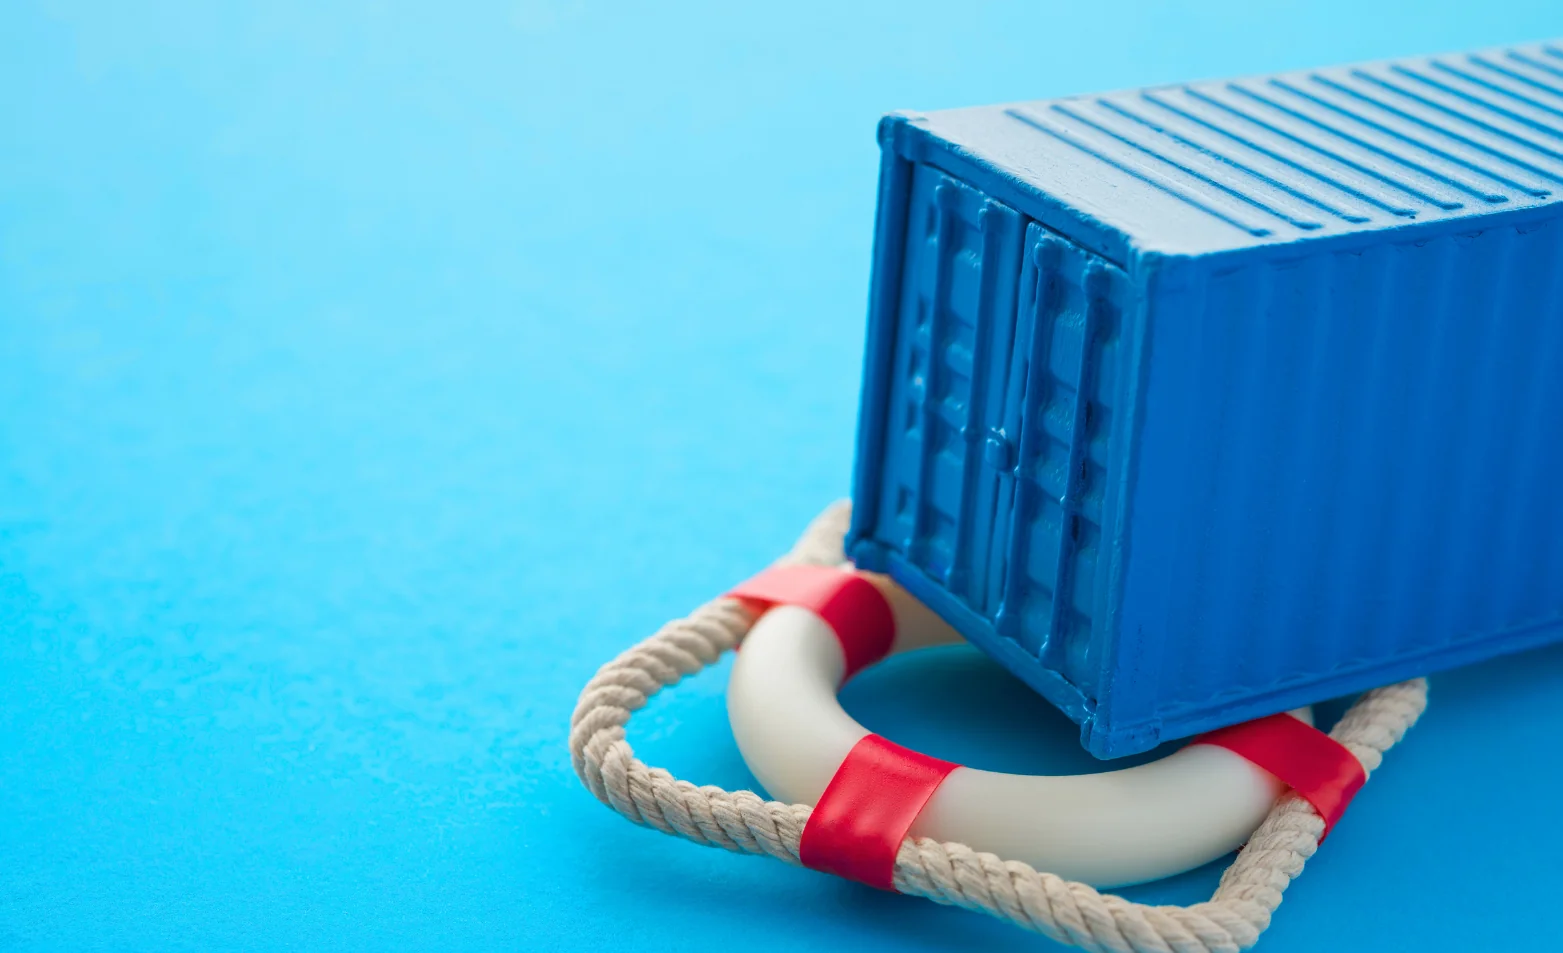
1196,403
357,401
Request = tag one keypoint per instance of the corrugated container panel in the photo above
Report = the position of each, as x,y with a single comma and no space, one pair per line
1195,403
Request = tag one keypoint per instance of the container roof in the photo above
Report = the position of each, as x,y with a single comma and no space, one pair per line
1212,166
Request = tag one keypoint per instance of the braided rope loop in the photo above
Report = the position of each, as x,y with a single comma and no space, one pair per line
1064,911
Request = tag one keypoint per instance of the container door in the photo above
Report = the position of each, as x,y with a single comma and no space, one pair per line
956,313
1047,514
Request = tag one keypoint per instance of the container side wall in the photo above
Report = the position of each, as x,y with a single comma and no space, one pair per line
1349,474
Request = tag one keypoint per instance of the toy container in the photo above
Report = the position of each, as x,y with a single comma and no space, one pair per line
1197,403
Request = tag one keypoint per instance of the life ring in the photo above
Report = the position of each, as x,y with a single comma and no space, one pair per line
1109,829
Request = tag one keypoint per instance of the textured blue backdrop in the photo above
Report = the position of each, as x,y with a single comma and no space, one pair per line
368,376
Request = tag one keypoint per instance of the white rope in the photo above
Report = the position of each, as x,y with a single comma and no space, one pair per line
1074,913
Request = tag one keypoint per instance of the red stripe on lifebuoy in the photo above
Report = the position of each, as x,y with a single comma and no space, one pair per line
851,605
1316,766
857,827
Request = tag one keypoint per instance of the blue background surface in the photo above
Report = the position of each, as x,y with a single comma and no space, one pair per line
369,375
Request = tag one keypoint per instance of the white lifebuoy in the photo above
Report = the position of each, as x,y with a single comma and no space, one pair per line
1108,829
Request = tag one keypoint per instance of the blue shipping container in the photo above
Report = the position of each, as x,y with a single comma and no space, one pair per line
1196,403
